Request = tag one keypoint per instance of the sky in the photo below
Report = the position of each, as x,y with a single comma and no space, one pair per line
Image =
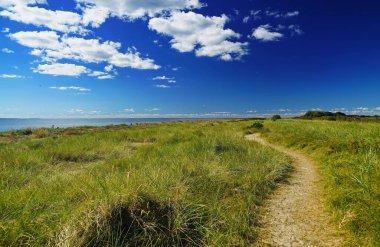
188,58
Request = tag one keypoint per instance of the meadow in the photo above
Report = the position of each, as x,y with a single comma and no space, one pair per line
168,184
349,158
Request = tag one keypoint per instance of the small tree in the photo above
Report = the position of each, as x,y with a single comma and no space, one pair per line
276,117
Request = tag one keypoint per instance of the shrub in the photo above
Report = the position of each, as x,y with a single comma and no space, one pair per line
276,117
257,125
24,132
41,132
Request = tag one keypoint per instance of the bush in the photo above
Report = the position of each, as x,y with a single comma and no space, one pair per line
276,117
257,125
24,132
41,132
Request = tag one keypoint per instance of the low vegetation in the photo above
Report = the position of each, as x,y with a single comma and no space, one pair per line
338,116
275,117
349,157
170,184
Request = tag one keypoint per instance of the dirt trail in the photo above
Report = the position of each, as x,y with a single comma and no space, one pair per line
295,214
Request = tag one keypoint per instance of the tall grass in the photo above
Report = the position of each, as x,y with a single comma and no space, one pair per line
190,183
349,155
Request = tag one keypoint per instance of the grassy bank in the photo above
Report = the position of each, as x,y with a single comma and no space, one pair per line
349,155
184,183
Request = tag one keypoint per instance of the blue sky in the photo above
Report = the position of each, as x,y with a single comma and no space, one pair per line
188,58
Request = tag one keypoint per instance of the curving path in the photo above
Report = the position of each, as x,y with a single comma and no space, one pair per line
295,214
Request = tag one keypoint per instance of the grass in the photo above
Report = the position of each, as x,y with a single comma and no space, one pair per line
170,184
349,157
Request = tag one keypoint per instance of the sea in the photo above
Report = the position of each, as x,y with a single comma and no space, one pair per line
7,124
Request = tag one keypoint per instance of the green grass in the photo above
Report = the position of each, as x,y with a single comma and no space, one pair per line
184,183
349,157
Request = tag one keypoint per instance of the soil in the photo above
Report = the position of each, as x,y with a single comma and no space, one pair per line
295,215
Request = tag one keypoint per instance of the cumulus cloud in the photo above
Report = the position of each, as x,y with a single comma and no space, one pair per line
38,40
265,33
74,88
51,47
57,69
133,9
63,21
94,15
6,50
203,34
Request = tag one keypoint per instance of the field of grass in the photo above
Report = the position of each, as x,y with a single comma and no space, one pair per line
349,156
170,184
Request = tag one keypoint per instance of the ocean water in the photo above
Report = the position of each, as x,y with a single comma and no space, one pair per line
17,123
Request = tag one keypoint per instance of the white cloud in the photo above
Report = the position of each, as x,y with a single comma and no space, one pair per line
104,77
162,78
295,29
94,15
10,3
108,68
101,75
162,86
75,111
129,110
246,19
202,34
62,21
291,14
5,30
221,112
97,73
38,40
153,109
259,14
264,33
82,112
80,89
10,76
274,13
6,50
57,69
362,109
51,47
279,14
133,9
256,14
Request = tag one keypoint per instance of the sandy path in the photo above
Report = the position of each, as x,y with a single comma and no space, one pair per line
295,214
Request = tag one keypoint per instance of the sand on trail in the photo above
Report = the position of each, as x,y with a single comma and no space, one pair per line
295,214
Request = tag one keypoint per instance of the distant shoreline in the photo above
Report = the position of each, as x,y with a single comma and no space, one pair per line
9,124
